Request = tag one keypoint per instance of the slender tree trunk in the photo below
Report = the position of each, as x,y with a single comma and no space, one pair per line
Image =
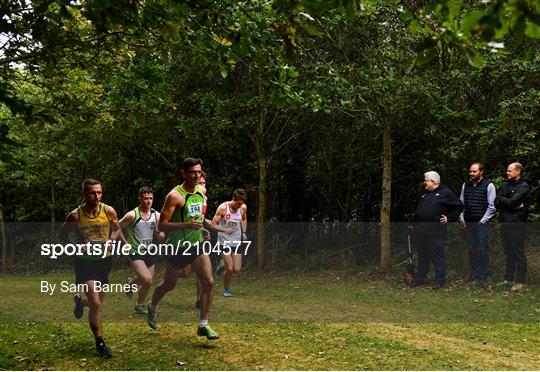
386,196
4,240
348,180
53,205
262,162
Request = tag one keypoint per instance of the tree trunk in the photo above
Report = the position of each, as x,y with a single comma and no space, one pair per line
263,169
348,181
53,202
4,240
386,196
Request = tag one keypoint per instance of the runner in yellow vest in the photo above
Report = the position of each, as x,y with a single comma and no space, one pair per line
96,222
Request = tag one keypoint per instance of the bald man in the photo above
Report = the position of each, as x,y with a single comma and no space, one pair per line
513,201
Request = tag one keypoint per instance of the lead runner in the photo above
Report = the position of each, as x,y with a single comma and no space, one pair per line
181,216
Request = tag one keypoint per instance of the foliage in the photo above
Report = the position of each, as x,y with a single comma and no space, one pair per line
288,98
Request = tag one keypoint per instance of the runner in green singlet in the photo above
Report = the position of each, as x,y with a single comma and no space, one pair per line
181,216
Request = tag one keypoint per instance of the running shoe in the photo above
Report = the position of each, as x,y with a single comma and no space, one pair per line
140,309
227,293
517,287
208,332
220,268
151,316
129,291
78,310
103,350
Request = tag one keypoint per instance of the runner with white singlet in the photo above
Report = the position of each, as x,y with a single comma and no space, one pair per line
232,215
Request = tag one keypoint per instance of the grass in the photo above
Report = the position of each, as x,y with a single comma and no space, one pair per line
280,321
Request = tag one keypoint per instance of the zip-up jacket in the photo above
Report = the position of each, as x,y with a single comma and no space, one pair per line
513,201
433,204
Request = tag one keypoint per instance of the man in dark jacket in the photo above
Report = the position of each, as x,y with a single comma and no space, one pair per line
513,202
478,196
431,217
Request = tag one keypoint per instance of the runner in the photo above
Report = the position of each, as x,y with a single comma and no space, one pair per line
141,225
187,271
181,216
94,221
233,215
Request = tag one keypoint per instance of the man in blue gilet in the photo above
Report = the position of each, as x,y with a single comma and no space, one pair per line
478,197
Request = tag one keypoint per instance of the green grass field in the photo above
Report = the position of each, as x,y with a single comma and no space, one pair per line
280,321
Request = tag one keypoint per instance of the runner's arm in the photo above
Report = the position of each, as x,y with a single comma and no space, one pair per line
115,226
127,219
243,208
220,212
214,223
215,227
69,226
160,234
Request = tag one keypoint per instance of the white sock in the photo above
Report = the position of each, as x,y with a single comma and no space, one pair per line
203,323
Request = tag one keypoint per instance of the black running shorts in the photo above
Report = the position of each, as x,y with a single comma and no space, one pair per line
184,257
148,259
97,270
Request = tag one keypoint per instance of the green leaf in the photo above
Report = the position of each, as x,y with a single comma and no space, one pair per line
532,30
453,8
293,73
223,71
425,56
312,30
474,58
471,21
406,15
171,31
414,27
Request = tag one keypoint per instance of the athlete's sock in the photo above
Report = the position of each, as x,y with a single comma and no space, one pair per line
152,307
203,323
99,340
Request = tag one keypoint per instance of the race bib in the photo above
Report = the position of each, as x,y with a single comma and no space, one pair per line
231,224
194,210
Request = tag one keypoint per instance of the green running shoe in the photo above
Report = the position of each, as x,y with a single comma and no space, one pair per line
151,316
129,291
208,332
140,309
